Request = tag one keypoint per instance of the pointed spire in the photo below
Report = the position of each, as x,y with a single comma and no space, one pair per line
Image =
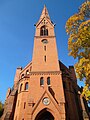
44,13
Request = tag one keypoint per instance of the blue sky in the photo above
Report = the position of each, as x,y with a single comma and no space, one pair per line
17,19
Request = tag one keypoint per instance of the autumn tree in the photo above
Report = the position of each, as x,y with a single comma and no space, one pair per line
1,108
78,29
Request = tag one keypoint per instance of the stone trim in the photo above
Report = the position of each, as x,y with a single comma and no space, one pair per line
44,37
46,73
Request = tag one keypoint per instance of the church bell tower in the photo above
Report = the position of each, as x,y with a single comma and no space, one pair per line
40,92
45,57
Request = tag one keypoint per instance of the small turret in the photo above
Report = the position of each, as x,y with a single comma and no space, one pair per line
16,79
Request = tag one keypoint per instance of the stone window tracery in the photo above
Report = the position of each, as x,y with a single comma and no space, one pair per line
44,31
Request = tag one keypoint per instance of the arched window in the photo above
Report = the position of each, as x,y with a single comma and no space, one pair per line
21,87
22,75
44,31
26,86
27,72
41,81
48,80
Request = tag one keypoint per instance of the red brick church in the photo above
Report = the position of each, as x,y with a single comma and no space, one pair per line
45,89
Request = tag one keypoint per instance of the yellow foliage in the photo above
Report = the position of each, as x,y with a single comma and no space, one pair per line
86,93
83,69
78,29
85,9
1,109
73,22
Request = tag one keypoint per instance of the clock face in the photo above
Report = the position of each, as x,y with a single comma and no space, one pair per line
46,101
44,41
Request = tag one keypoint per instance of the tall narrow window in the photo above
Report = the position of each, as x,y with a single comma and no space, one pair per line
21,87
44,31
48,80
26,86
41,81
45,58
45,48
24,105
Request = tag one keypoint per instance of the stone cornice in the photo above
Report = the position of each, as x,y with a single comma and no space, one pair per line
46,73
43,37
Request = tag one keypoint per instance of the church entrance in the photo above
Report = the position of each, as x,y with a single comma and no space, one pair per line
44,115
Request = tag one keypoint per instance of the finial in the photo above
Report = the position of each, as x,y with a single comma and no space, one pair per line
44,5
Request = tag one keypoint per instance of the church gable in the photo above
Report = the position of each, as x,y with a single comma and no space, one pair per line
26,71
44,21
46,101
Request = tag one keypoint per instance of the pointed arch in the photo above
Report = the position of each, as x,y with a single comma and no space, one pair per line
44,114
26,86
44,31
